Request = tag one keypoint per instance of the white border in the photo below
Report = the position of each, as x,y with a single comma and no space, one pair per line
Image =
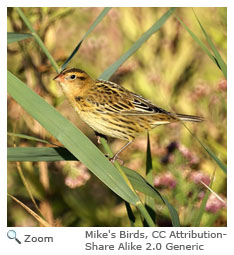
120,3
75,236
3,114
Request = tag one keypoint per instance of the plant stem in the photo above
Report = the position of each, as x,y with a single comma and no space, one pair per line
139,204
116,164
38,39
145,213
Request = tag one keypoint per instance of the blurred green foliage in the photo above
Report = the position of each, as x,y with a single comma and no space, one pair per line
169,69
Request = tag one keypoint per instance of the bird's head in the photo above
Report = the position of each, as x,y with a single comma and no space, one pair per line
73,79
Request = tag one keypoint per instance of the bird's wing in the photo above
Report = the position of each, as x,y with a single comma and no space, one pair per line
117,99
142,106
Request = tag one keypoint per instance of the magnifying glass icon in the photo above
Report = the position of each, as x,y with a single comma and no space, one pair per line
11,234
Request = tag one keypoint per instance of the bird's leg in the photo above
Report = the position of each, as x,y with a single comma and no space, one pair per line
117,153
99,136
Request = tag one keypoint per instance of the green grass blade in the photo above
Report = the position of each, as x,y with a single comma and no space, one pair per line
218,57
202,208
130,213
149,166
139,206
15,37
140,184
215,60
95,23
209,151
201,211
214,157
156,26
72,138
149,201
28,137
200,43
36,154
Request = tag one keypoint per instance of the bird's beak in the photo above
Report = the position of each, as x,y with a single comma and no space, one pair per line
59,78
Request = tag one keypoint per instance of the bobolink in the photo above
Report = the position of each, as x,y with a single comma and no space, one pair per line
112,110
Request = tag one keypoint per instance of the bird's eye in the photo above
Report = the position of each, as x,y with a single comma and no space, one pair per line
72,77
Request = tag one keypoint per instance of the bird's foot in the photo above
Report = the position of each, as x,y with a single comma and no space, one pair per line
113,159
98,139
99,136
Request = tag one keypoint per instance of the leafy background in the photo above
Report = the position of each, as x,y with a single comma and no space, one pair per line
170,69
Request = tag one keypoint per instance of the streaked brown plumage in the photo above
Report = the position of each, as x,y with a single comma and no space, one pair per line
112,110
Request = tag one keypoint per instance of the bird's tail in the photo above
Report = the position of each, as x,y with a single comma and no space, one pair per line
191,118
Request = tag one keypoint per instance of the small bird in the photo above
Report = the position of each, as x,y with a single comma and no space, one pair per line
111,110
